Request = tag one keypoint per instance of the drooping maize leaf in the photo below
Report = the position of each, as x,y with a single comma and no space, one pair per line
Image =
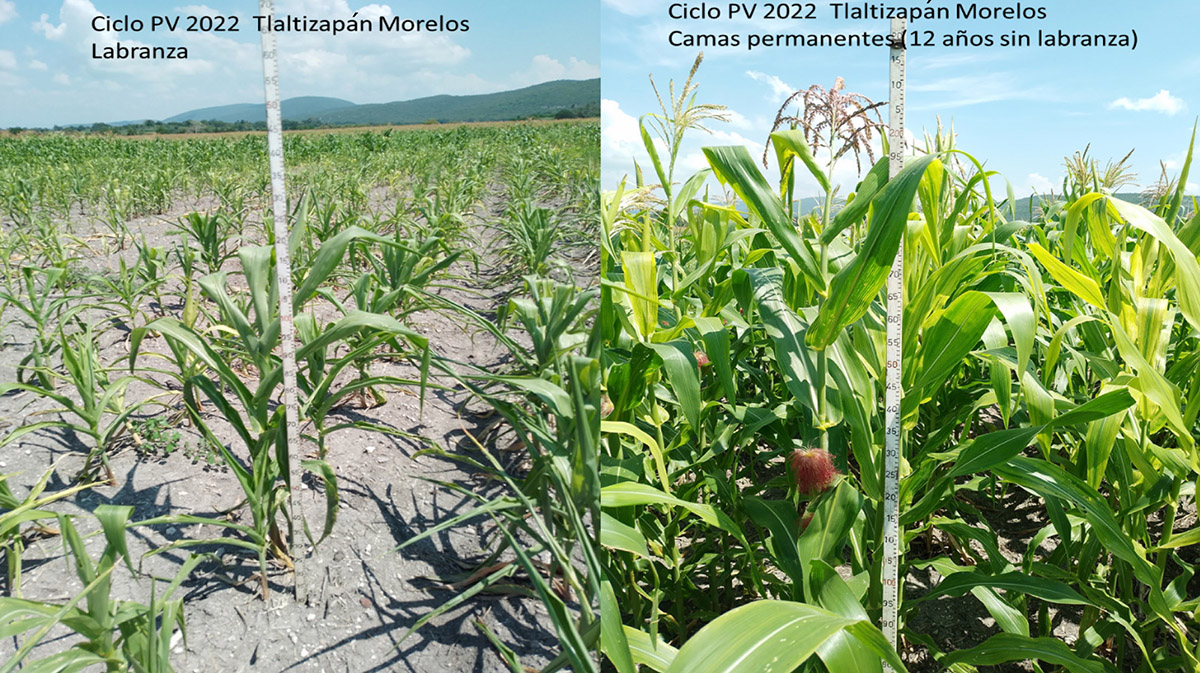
947,342
1187,269
994,448
780,518
857,208
616,534
656,452
789,144
716,346
785,329
1018,315
1080,285
734,167
628,494
769,636
858,283
1015,583
1074,215
841,652
1051,481
1005,647
651,653
832,519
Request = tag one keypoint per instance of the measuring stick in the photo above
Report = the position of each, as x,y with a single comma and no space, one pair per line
283,274
891,396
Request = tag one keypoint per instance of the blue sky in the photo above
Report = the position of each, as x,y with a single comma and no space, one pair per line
48,76
1021,109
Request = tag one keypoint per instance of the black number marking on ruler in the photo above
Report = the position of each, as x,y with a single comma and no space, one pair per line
892,392
283,273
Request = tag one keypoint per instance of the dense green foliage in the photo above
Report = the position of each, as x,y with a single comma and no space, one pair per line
1051,365
198,126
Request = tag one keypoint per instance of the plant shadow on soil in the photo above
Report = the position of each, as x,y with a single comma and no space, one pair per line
956,623
364,595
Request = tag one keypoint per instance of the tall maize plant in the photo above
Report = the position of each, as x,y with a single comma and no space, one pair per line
1052,361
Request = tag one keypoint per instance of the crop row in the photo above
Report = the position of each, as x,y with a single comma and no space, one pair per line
143,274
1051,366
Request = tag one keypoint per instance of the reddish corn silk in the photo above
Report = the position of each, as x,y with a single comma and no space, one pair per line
701,358
813,470
606,406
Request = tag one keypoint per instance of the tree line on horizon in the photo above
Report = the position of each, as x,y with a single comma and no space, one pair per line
151,126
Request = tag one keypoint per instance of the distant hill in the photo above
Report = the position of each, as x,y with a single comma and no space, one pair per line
811,203
1023,205
298,109
545,98
578,97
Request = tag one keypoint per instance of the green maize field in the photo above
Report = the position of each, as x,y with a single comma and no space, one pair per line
1051,388
448,401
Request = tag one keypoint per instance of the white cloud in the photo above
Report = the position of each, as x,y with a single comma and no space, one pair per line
1192,188
37,65
545,69
8,60
8,11
75,21
620,135
75,16
1162,102
63,79
780,90
1038,183
374,51
76,29
362,66
739,121
51,31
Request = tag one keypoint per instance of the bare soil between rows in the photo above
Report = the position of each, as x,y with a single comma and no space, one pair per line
364,595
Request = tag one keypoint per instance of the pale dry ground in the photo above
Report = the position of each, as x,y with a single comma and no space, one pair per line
365,595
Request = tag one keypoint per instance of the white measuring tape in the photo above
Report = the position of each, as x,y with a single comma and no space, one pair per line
283,274
891,396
